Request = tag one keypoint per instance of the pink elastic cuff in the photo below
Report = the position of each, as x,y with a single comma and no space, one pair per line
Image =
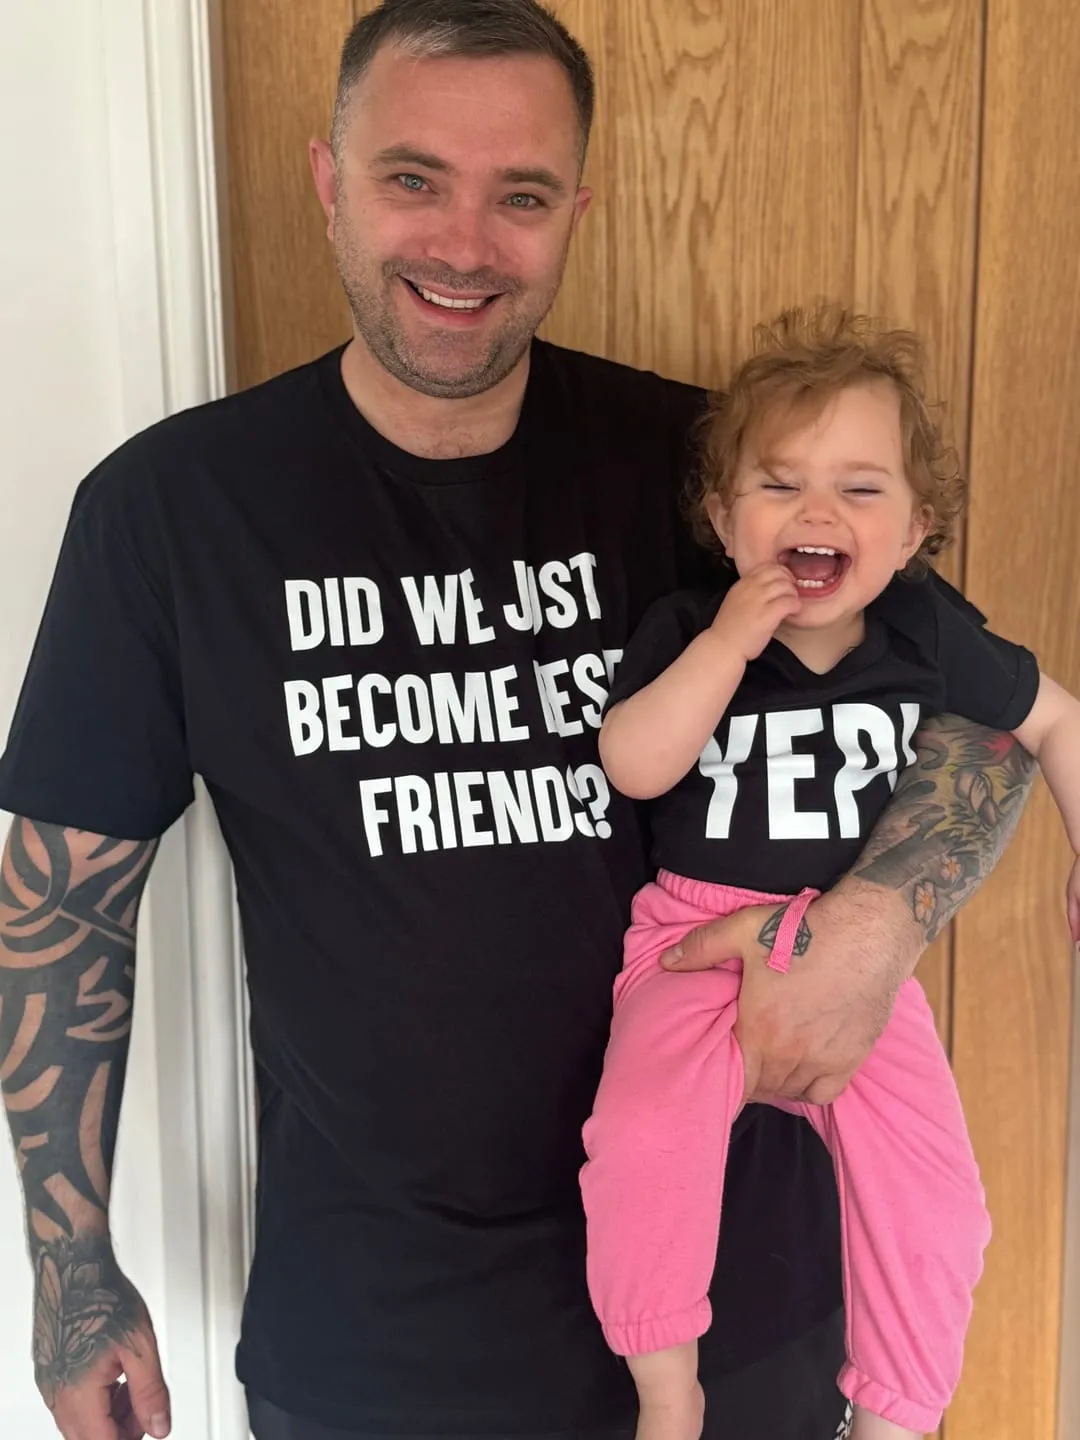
880,1400
642,1337
782,950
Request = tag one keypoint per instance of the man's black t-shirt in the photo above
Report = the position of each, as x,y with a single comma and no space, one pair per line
390,674
802,764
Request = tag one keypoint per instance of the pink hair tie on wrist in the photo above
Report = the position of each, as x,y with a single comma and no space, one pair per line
787,933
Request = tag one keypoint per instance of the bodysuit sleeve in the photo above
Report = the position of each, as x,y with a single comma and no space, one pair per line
987,679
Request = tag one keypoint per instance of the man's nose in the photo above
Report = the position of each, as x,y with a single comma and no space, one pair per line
463,240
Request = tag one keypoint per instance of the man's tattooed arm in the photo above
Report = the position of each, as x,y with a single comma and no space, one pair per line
952,815
68,907
947,825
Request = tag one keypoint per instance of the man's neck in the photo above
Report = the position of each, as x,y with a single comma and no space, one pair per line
425,425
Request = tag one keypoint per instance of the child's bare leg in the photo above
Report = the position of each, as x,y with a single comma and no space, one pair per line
671,1402
873,1427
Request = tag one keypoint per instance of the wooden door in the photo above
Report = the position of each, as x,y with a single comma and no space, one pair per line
915,157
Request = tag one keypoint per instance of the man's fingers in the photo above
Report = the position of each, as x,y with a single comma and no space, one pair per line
84,1412
751,1063
775,1081
127,1422
147,1392
828,1088
730,938
698,950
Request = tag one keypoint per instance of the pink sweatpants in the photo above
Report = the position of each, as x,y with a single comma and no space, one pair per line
912,1208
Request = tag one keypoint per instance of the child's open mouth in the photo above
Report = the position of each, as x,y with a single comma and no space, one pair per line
816,569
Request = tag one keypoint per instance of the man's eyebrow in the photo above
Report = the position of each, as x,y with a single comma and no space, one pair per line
518,175
409,155
534,176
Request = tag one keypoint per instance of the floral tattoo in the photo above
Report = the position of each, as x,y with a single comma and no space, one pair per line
952,815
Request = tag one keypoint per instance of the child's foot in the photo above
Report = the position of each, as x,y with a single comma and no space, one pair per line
671,1403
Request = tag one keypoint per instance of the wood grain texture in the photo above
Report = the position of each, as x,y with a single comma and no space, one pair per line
582,317
915,240
918,188
673,261
280,72
1014,966
796,149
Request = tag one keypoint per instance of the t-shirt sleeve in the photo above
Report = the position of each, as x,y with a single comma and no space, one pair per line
987,679
98,740
664,633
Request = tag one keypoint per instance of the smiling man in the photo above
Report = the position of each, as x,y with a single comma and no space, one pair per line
376,603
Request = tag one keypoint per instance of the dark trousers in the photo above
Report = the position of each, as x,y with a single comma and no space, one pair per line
791,1395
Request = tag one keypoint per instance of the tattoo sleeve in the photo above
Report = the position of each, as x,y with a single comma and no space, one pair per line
68,906
952,815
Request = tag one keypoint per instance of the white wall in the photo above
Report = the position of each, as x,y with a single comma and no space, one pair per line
107,296
60,411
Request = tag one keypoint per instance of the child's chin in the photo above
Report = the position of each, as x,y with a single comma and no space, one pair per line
813,614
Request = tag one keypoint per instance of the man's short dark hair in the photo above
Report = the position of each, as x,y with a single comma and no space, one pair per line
475,28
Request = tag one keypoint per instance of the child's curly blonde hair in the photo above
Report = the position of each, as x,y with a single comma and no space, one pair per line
800,362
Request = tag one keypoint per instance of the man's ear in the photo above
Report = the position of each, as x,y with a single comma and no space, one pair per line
582,201
324,171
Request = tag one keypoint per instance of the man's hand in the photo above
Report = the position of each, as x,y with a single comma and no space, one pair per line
804,1033
91,1328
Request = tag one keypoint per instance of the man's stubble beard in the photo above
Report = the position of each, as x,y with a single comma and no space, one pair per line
369,290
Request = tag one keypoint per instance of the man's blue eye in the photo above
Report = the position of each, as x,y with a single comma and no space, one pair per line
522,202
412,182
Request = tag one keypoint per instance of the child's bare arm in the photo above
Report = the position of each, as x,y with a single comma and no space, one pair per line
1052,734
649,741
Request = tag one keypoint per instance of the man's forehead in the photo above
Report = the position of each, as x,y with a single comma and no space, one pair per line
523,98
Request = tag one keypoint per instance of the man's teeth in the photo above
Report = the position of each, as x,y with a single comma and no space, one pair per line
448,304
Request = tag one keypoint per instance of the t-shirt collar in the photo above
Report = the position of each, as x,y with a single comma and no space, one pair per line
419,469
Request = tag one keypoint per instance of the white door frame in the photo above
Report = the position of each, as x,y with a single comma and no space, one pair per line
160,66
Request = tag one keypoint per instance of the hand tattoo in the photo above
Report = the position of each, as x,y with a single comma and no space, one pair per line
83,1306
952,815
771,928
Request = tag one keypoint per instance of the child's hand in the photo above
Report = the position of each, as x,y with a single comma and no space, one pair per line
754,608
1072,902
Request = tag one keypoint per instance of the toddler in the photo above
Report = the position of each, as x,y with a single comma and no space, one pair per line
767,723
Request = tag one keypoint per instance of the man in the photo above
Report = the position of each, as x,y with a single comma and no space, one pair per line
376,604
